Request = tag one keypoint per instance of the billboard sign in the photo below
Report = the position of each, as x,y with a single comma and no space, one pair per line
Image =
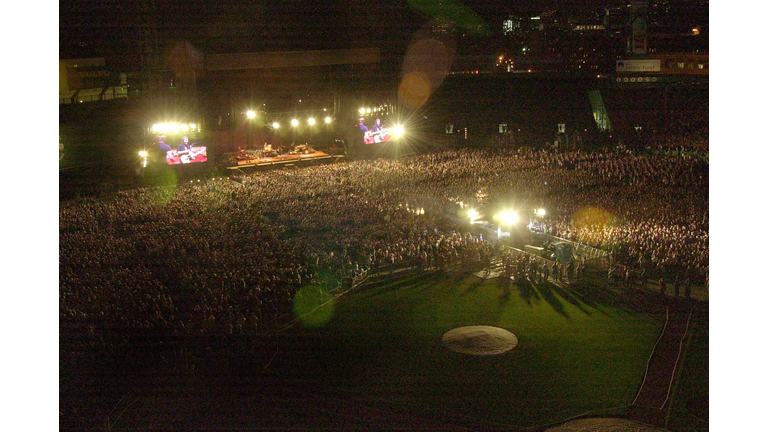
90,77
638,65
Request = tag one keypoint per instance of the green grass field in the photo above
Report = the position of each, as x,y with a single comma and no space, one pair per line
578,353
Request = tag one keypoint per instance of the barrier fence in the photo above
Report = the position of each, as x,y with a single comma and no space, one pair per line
580,249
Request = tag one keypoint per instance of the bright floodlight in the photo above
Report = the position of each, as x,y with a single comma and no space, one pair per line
327,120
541,212
173,127
250,114
311,121
192,126
294,122
508,217
473,213
184,127
397,131
362,110
143,153
275,125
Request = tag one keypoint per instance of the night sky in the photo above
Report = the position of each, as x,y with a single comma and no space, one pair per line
111,28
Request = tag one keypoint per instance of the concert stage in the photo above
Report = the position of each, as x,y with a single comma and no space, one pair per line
270,159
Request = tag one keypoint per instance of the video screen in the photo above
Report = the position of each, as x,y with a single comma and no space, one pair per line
183,153
378,132
192,155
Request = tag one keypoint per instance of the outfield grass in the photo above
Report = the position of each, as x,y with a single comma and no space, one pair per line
577,354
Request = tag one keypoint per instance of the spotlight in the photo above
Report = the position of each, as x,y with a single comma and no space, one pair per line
507,217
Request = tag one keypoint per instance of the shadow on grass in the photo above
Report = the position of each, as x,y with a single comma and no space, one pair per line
598,294
526,291
505,285
567,296
549,297
474,285
378,286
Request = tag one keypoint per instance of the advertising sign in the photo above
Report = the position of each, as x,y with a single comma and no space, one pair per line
638,65
90,77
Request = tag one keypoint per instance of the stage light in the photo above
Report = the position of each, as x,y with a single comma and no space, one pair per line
507,217
275,125
294,122
362,110
397,131
541,212
250,114
143,153
327,120
192,126
473,214
184,127
311,121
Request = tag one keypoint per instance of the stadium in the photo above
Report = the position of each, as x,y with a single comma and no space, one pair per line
433,281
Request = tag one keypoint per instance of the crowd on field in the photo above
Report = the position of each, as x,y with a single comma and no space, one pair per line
222,257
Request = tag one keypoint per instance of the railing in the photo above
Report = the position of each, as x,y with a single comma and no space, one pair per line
581,249
93,98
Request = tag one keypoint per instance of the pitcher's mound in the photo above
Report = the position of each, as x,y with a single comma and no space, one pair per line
604,425
479,340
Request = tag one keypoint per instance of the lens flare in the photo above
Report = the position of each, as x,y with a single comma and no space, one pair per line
593,218
313,305
414,89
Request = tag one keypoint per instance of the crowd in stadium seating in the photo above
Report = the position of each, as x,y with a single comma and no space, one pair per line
221,257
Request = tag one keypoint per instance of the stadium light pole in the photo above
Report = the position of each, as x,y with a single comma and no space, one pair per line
294,124
311,122
251,115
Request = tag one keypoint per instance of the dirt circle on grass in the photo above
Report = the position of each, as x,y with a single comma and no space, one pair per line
479,340
604,425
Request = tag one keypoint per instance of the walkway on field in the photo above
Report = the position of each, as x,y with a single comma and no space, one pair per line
653,400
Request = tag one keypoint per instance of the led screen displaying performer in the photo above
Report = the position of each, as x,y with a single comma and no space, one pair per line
377,134
184,153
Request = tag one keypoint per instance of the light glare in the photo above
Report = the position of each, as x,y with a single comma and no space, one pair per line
508,217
